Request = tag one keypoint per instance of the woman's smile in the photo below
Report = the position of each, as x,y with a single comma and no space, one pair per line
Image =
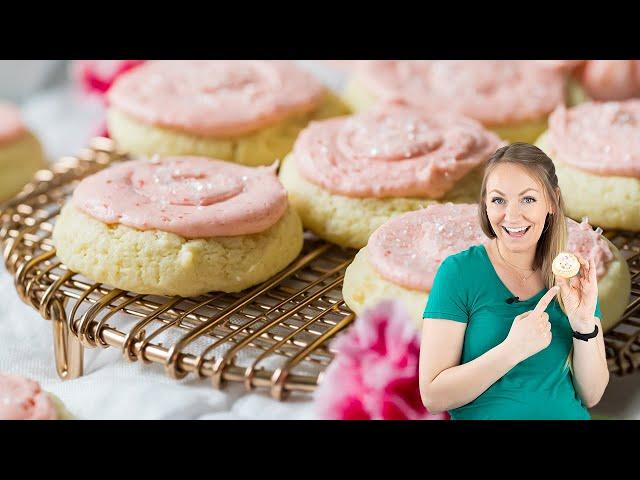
517,232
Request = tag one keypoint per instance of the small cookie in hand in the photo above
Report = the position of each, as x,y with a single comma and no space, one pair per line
565,265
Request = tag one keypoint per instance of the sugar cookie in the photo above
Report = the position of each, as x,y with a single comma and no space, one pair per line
565,265
179,226
23,399
512,98
243,111
21,154
346,176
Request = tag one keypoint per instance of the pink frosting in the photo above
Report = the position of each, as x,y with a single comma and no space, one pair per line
589,243
602,79
408,249
392,150
190,196
601,138
341,65
215,97
493,92
611,79
561,65
22,399
11,126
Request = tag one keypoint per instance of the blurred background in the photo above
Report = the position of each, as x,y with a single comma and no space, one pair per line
52,107
63,116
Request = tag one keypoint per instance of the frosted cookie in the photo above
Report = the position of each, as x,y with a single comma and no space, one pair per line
512,98
611,79
595,148
347,176
404,254
179,226
340,65
601,80
248,112
23,399
20,152
575,92
565,265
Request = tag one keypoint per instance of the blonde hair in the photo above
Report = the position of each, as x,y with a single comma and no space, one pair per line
554,234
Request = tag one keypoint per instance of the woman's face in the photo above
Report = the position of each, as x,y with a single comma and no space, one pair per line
516,207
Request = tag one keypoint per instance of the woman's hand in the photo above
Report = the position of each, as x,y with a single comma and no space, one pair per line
531,331
580,295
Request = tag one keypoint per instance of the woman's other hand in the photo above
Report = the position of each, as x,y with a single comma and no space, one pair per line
580,295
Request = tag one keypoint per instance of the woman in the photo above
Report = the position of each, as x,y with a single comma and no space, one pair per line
498,337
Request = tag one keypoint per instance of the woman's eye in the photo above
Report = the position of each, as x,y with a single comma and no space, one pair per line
529,199
497,200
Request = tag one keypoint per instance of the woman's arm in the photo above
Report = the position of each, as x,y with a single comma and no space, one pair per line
580,297
590,370
444,384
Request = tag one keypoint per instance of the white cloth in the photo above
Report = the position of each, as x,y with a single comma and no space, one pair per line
113,388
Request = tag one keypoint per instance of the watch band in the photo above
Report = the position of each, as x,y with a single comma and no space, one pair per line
586,336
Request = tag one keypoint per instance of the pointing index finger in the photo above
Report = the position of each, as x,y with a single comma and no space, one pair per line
544,302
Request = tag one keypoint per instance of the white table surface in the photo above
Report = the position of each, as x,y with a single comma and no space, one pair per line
112,388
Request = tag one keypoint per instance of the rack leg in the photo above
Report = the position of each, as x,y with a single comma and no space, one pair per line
68,351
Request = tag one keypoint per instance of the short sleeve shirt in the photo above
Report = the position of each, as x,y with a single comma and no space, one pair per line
467,289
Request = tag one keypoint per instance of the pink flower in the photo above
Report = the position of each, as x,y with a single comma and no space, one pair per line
96,76
102,130
375,372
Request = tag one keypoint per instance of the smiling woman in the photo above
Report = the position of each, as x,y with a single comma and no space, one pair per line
502,336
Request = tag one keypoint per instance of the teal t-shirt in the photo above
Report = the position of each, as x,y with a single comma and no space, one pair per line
467,289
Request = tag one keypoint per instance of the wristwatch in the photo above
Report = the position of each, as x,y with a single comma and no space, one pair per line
586,336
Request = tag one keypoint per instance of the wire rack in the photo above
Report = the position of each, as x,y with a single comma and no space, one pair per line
275,336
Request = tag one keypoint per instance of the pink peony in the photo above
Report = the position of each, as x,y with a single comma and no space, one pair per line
102,130
375,373
96,76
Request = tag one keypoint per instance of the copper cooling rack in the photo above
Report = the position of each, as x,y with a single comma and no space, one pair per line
272,336
275,336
